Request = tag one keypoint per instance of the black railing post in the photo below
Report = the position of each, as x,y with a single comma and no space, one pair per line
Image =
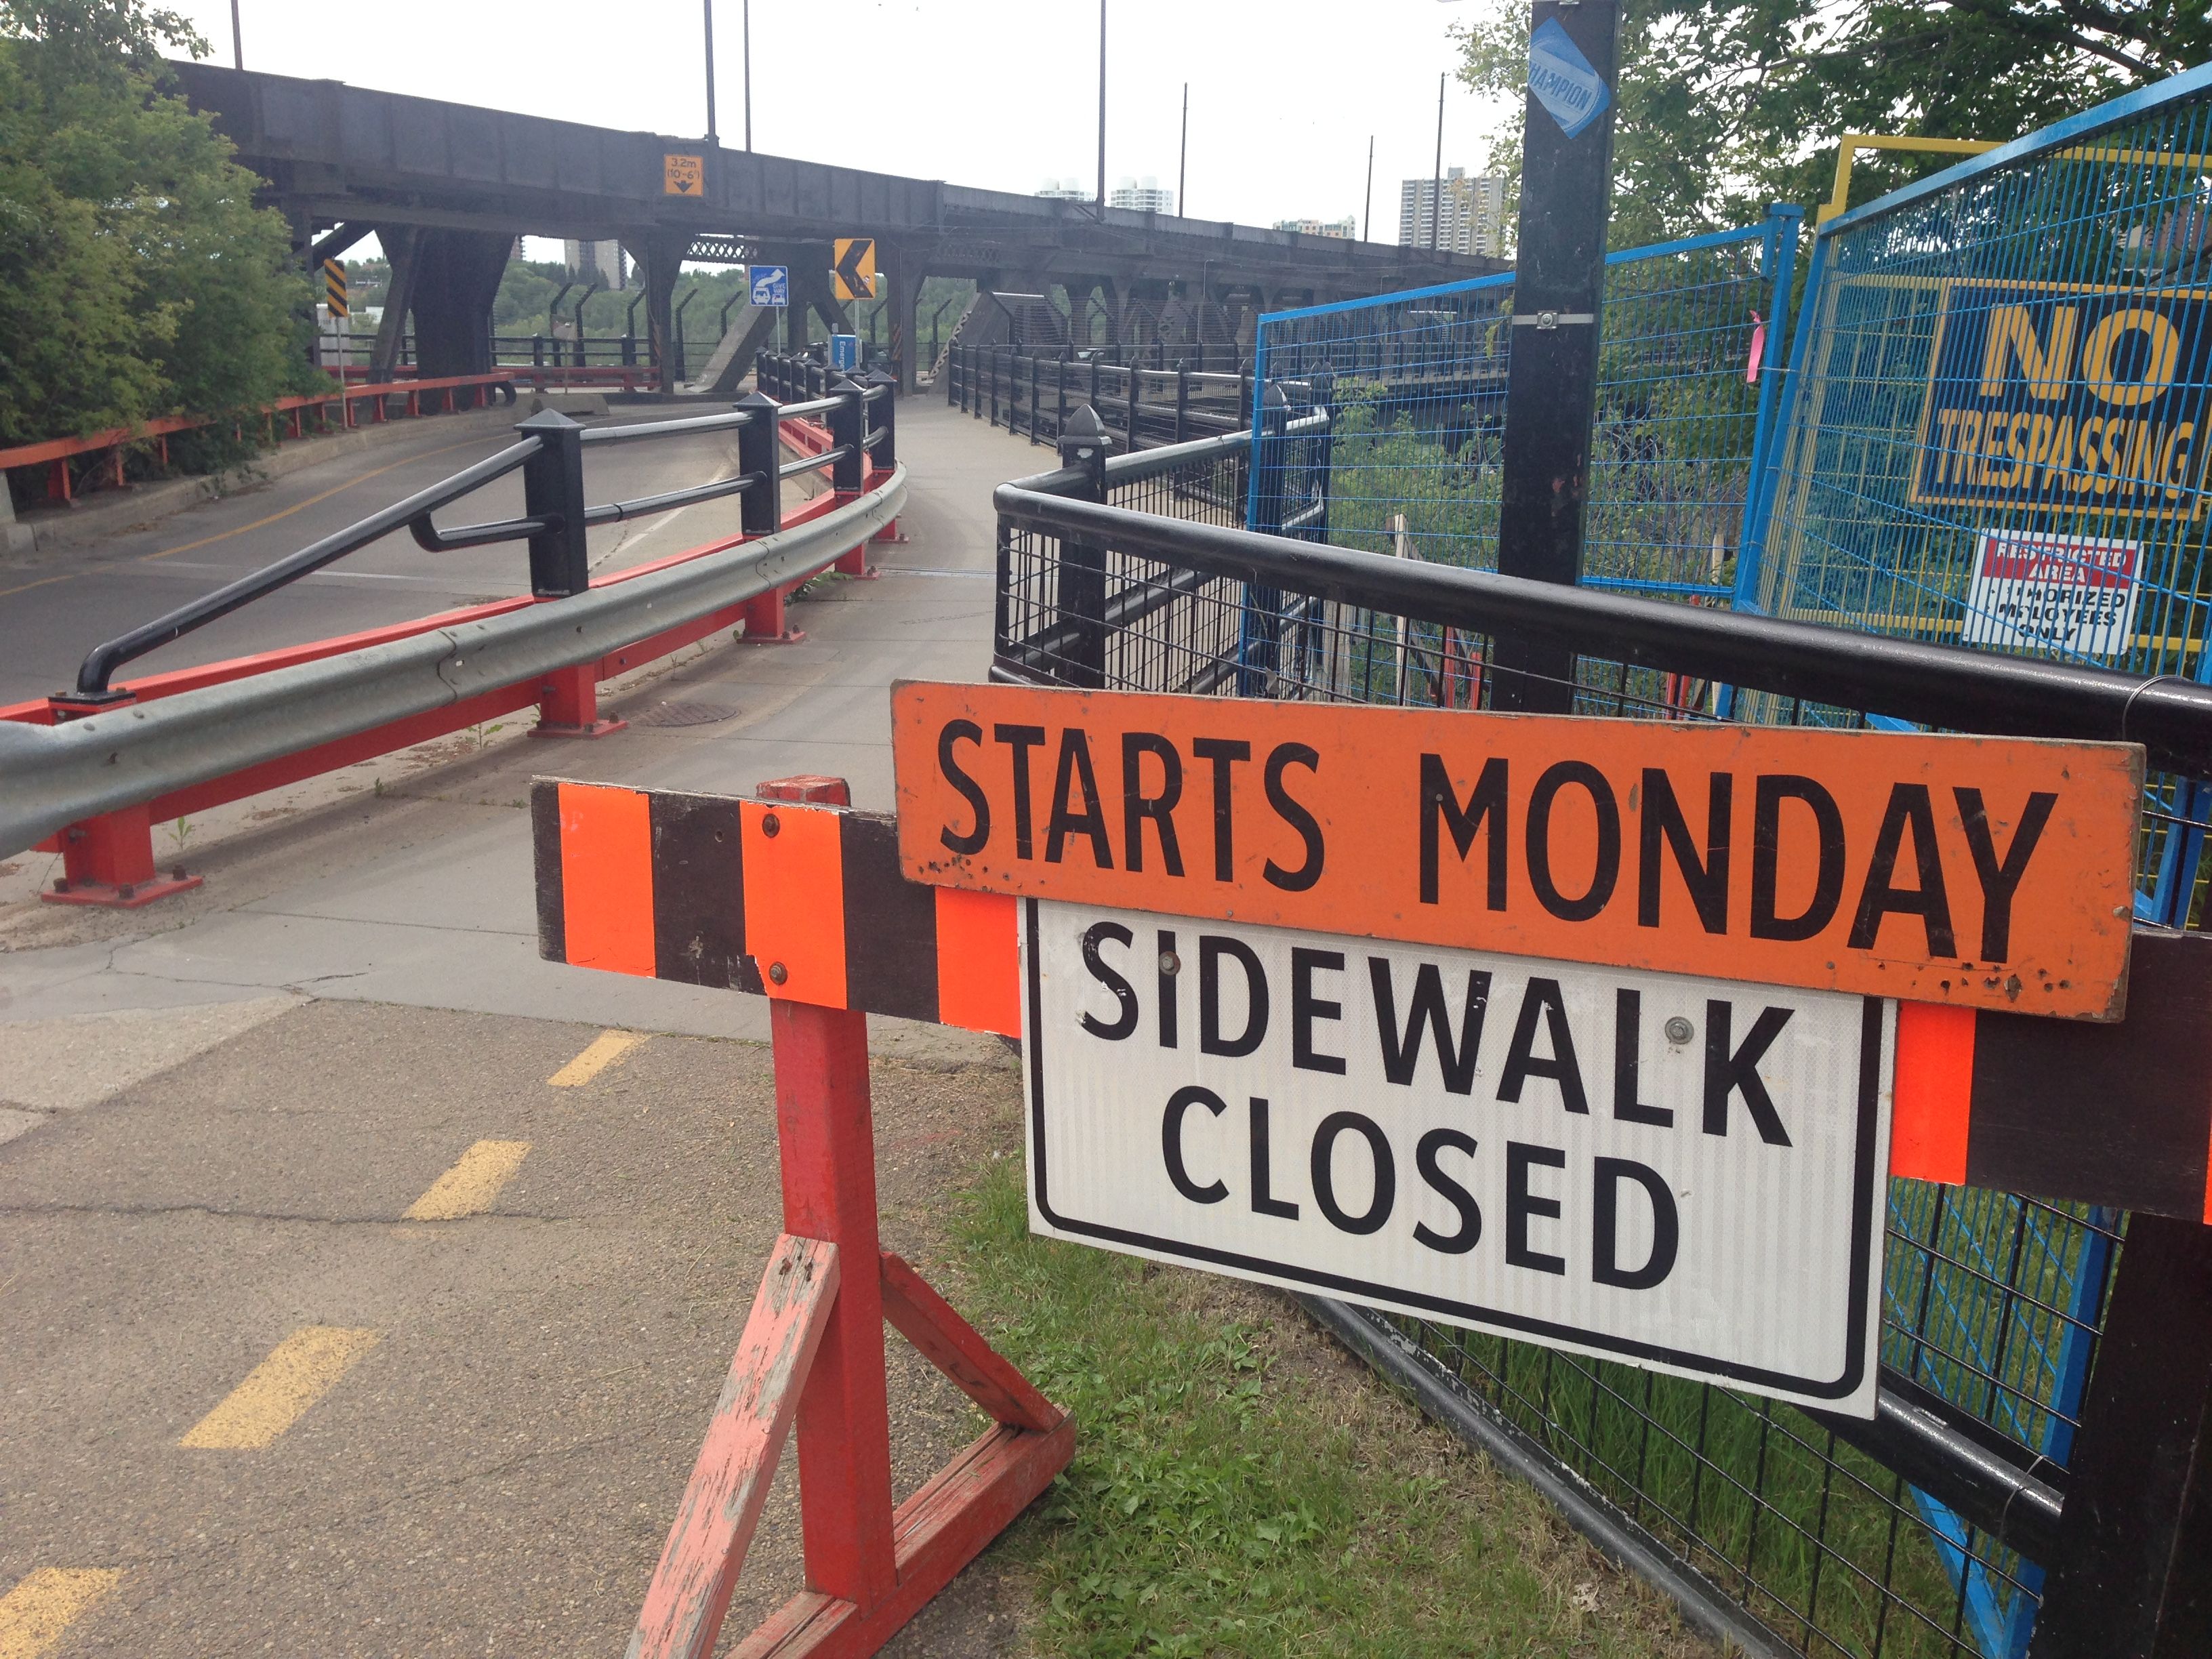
1082,595
994,385
1182,404
1035,370
1136,403
885,452
2130,1578
760,452
553,491
1059,394
849,431
1260,629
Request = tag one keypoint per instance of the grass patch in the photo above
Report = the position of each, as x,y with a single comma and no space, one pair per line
1240,1487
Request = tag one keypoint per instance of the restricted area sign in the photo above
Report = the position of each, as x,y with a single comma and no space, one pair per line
1976,872
1683,1173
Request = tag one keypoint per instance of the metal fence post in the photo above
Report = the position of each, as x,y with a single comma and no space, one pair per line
553,491
2132,1576
1182,404
1034,371
883,454
561,566
849,431
1082,596
760,451
1136,404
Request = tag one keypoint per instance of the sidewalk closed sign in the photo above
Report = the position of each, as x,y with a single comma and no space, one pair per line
1983,872
1679,1172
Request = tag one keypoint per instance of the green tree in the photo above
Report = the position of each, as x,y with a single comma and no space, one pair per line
1728,105
137,276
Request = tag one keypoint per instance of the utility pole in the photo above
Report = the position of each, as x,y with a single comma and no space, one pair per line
1437,183
746,19
237,38
1182,165
709,8
1101,108
1367,213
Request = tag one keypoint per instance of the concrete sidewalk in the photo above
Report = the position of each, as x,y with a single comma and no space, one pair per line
414,886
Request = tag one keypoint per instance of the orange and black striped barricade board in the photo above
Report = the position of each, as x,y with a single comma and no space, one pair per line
804,903
672,885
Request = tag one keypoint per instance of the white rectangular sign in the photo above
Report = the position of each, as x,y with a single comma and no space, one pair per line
1684,1174
2074,593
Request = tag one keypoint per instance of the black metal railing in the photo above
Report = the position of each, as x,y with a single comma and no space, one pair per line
1163,396
1926,1532
549,452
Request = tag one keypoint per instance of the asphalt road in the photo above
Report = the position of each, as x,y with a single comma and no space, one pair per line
251,1405
57,605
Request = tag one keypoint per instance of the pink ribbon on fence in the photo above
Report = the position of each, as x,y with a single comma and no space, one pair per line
1757,349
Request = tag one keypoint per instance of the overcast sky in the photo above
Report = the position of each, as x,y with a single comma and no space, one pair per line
996,93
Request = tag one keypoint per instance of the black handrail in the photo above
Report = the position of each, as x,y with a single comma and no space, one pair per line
100,666
1939,685
550,455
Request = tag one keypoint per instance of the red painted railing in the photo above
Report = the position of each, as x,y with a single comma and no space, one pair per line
449,391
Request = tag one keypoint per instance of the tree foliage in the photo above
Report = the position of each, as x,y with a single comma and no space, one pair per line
1728,105
137,276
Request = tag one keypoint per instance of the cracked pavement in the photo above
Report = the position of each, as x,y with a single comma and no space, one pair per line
215,1114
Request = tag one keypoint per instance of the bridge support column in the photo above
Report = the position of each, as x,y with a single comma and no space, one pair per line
657,260
399,244
455,280
902,277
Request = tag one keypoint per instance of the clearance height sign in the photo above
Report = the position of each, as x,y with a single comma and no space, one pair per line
1981,872
1678,1172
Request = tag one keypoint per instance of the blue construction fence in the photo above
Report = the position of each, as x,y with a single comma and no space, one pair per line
1990,428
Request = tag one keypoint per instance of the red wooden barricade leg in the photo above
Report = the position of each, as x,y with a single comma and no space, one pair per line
869,1567
568,704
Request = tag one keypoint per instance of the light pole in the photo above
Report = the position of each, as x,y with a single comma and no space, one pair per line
709,9
237,38
1367,213
745,17
1437,183
1101,108
1182,163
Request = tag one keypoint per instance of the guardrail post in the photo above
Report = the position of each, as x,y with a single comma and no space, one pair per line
1082,589
1035,372
561,568
1136,404
883,456
1182,404
849,431
2128,1579
108,862
760,451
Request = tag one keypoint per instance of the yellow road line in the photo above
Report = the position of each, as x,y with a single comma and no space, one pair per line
470,1186
301,1369
34,1614
606,1049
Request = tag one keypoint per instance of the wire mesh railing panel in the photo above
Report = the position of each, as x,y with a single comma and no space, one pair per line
1417,382
1998,434
1992,1301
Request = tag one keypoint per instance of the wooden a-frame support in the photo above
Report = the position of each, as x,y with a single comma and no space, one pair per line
813,1351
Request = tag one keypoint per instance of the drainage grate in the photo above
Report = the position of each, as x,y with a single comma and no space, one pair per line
681,714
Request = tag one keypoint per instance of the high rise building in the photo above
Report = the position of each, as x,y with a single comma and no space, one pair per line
1473,213
1145,197
597,261
1347,227
1070,190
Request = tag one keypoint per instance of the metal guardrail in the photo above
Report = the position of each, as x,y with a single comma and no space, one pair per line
61,774
1783,1531
93,762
